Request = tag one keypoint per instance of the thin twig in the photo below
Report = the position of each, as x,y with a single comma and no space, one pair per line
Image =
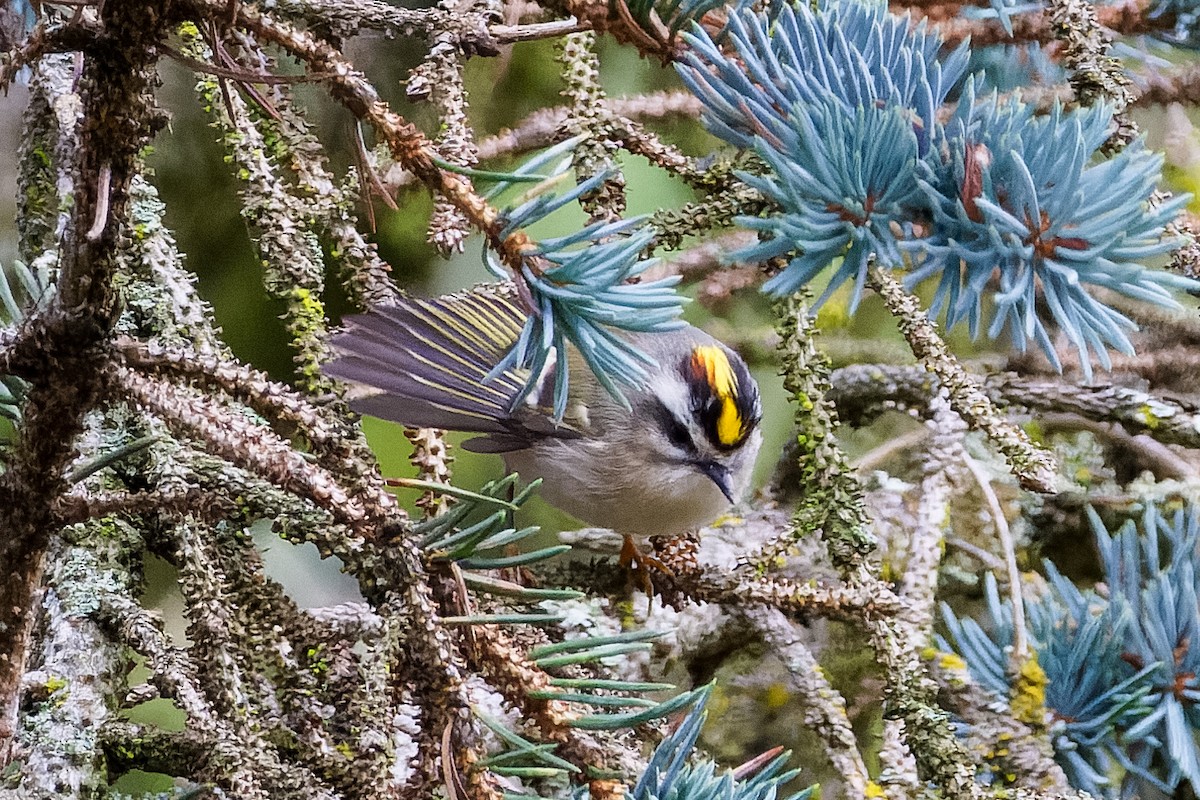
544,126
240,75
863,391
511,34
978,553
1020,651
894,446
408,145
103,189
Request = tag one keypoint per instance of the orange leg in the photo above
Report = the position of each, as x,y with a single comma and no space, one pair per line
633,558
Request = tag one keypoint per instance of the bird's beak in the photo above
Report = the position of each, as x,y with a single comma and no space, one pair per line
720,475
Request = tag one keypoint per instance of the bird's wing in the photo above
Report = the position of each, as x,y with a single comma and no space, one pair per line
422,362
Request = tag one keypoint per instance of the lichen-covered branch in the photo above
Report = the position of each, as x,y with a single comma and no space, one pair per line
439,79
1033,466
338,445
118,117
1026,753
1095,75
692,580
727,199
925,540
832,502
544,127
432,459
251,446
824,708
75,669
467,31
407,144
911,696
293,265
246,765
581,69
1038,25
862,392
139,439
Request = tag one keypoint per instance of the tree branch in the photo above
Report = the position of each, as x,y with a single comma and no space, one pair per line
117,118
1034,467
862,392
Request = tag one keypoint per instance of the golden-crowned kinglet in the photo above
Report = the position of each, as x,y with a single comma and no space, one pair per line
677,458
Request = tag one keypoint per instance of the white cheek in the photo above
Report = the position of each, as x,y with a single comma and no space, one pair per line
672,480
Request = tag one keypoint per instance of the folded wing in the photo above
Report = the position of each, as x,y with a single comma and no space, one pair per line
423,363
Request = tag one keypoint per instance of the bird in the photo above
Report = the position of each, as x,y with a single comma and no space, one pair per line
673,457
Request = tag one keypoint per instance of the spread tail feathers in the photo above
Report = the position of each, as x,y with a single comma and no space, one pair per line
425,361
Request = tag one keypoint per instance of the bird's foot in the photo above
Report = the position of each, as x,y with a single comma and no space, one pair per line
633,558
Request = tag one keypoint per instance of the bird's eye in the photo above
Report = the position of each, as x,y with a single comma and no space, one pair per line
673,428
677,433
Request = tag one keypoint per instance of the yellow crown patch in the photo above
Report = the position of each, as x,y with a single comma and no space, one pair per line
710,364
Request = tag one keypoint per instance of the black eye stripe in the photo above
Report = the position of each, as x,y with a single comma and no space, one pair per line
676,432
678,435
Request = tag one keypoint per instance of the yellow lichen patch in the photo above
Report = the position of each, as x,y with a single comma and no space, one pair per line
951,661
1149,418
777,696
1029,693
